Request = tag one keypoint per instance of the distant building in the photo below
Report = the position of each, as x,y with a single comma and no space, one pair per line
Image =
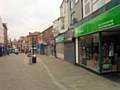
48,40
1,33
3,38
5,33
47,35
58,26
26,42
33,38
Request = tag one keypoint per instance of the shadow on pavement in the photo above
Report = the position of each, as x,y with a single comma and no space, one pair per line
115,77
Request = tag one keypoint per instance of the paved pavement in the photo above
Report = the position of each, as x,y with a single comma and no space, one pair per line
48,74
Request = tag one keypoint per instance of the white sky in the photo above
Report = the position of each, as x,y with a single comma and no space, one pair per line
24,16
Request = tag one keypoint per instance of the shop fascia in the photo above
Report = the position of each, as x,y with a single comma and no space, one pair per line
59,39
107,20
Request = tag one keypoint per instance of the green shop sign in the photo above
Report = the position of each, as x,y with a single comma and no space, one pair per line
59,39
108,19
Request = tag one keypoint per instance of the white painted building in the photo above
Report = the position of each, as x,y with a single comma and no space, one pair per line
64,13
1,32
58,26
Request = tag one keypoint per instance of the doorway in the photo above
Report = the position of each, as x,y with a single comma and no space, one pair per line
111,51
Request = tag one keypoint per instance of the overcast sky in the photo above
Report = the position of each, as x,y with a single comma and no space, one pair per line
24,16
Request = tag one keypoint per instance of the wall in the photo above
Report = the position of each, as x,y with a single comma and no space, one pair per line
58,26
65,14
47,35
5,31
74,12
1,32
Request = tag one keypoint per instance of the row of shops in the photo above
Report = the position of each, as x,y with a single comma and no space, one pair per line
98,42
3,50
95,44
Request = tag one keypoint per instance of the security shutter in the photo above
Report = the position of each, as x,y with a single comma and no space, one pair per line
69,52
60,50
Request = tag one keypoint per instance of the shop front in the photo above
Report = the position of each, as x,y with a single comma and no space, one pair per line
50,48
111,50
60,46
99,42
69,47
1,49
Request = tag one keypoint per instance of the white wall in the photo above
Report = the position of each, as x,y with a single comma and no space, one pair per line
57,26
64,12
1,32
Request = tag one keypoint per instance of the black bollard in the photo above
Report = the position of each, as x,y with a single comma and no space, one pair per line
34,59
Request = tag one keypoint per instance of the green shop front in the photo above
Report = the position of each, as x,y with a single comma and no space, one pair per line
99,42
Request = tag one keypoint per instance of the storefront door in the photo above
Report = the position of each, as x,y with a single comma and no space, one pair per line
69,52
111,51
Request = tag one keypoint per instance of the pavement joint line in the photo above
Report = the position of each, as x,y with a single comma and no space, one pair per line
53,78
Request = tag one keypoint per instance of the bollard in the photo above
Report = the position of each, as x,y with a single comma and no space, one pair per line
33,59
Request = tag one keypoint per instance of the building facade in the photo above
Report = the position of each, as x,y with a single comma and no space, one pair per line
1,32
48,41
3,38
74,8
62,24
58,26
98,36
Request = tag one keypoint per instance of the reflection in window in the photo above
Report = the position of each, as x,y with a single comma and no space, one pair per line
89,50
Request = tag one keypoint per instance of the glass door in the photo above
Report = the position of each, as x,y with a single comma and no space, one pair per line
111,51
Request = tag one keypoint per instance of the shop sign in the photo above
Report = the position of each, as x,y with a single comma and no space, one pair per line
69,35
108,19
59,39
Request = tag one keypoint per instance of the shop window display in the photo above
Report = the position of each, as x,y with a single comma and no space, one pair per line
111,52
106,57
89,51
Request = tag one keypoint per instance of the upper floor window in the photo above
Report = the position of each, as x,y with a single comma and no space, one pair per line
62,23
76,1
87,7
71,4
90,6
73,19
96,4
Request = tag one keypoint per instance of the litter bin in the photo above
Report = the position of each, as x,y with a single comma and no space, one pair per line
33,58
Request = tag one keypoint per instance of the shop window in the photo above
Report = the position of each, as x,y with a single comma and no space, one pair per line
89,51
111,51
73,19
87,7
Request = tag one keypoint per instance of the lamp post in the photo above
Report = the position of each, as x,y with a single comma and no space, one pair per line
33,52
33,45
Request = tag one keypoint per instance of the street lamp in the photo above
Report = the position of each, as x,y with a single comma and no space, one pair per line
33,52
33,45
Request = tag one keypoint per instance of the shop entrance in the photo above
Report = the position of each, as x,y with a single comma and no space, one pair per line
111,51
